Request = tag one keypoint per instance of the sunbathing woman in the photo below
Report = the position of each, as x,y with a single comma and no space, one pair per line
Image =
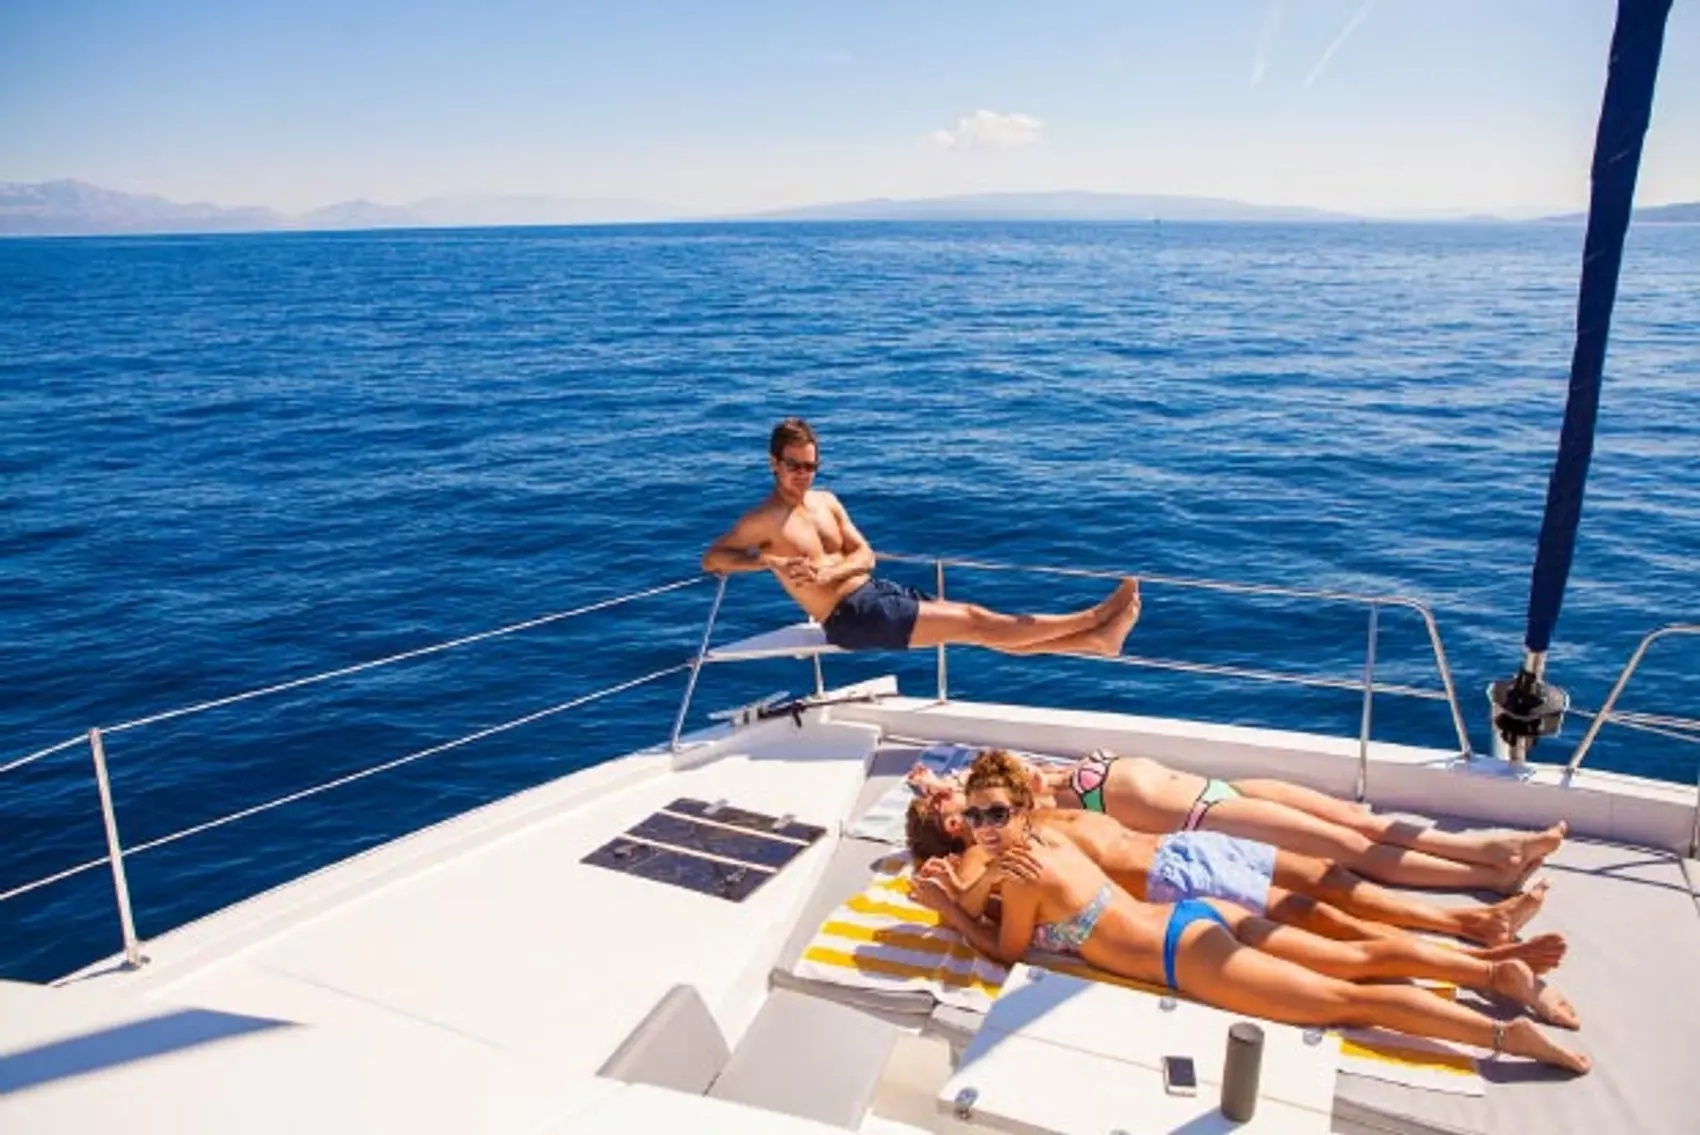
1285,886
1150,797
1055,898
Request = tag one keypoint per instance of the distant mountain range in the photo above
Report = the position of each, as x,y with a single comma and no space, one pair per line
1064,206
74,208
1684,213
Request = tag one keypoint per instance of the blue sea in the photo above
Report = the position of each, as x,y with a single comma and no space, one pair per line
231,461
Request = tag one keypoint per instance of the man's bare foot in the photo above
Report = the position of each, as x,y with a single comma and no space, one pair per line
1127,591
1542,953
1522,1038
1497,924
1523,855
1107,639
1516,981
1121,625
1111,605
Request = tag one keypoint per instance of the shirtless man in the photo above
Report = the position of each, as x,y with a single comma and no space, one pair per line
804,536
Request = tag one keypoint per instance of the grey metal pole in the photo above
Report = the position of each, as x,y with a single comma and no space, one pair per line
943,669
1622,681
1446,680
1694,838
696,665
1369,700
115,853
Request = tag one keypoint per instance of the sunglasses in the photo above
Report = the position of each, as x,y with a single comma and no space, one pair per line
799,466
995,816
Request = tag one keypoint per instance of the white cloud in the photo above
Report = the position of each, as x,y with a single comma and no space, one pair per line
987,129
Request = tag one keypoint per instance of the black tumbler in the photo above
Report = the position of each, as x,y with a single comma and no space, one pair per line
1240,1071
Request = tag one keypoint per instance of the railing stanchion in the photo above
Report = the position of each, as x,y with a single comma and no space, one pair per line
943,671
820,679
1605,710
1369,700
115,853
1446,680
696,664
1694,837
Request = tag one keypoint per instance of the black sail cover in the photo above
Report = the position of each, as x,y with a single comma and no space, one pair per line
1624,114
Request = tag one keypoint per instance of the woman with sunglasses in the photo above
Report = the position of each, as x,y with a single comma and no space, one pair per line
1147,796
1313,894
1054,898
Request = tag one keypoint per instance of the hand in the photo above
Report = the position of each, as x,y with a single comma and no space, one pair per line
796,569
1018,863
930,893
943,872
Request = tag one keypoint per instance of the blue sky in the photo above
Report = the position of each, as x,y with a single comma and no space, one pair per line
1390,106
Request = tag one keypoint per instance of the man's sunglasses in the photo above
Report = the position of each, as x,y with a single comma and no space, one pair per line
799,466
995,816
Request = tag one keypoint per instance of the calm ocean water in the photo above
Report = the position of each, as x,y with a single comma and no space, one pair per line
231,461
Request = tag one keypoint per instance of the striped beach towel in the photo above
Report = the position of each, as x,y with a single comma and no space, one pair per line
881,939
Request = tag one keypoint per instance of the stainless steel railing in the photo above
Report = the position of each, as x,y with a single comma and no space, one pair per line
1373,603
1665,725
1683,728
1368,685
1668,726
96,740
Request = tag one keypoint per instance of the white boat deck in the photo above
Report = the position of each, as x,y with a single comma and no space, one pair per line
470,978
474,976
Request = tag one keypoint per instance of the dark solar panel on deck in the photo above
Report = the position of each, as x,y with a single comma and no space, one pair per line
712,849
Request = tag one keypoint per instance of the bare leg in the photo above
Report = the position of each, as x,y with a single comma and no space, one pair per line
1495,850
1489,925
1218,970
1401,957
1324,919
1095,630
1294,830
1542,953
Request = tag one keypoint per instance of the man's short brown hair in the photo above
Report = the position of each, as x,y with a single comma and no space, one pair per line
792,431
923,831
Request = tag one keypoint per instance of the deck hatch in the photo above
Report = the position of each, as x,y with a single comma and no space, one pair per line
712,849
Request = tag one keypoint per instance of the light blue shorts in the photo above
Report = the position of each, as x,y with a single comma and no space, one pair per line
1210,865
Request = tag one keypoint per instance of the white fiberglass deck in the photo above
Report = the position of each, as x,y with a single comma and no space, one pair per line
473,977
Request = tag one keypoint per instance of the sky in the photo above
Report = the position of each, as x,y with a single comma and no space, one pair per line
1389,107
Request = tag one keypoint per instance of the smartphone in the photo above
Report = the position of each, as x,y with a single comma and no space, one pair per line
1180,1078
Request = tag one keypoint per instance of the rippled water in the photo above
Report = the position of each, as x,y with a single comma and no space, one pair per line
231,461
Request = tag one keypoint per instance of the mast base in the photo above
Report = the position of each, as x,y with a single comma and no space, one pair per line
1525,709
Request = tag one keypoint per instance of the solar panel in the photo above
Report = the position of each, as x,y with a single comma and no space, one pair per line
713,849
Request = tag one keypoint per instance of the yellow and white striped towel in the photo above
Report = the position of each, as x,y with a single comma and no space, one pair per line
1409,1060
881,939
